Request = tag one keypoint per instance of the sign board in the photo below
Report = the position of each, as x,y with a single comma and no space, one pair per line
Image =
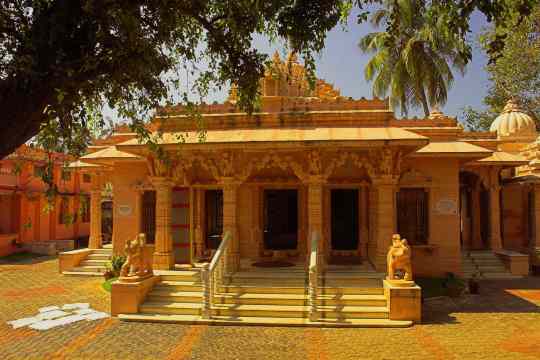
446,207
124,210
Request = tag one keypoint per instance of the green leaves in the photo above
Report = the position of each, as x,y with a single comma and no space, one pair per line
413,57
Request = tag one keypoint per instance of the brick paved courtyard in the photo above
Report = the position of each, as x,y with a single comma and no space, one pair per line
501,323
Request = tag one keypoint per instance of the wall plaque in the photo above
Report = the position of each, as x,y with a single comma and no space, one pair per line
124,210
446,207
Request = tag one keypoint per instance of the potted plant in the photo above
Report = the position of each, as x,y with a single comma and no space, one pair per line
114,266
474,284
454,286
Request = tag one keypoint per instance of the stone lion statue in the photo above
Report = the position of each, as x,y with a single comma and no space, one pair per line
399,258
136,263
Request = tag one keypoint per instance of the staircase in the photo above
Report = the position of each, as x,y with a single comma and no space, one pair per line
486,264
95,263
348,297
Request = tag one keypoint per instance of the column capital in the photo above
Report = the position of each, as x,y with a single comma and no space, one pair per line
495,187
229,182
161,182
385,180
315,180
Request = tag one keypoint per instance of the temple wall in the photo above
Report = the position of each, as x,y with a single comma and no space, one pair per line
514,216
6,218
442,253
125,222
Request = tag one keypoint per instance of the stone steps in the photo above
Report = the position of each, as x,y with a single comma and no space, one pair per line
265,310
344,299
95,264
80,273
262,321
486,264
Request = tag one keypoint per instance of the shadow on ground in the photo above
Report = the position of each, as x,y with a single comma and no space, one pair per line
496,296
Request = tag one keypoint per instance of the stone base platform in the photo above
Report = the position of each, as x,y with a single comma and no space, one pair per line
258,321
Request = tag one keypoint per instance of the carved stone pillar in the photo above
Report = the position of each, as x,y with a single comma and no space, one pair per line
476,235
199,222
315,212
535,241
163,255
230,200
495,217
363,221
256,234
385,218
95,239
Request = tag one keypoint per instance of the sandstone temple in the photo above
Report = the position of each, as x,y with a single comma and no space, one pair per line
287,215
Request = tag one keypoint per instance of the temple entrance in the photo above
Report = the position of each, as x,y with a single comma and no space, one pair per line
280,219
474,212
344,209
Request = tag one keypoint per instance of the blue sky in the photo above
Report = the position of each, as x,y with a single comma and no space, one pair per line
341,63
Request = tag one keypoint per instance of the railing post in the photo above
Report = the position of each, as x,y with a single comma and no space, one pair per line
206,278
313,316
313,276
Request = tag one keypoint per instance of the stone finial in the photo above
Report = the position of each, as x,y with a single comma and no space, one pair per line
514,123
512,105
436,113
399,258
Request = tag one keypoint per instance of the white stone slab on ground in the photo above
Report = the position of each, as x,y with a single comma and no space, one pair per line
85,311
96,316
75,306
48,308
51,316
23,322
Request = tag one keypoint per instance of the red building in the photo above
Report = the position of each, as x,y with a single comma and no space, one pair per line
28,219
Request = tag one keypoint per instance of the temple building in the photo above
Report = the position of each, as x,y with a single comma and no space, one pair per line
29,219
318,182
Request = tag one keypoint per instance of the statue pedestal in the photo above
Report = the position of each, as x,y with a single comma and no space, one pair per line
400,283
134,279
127,296
404,300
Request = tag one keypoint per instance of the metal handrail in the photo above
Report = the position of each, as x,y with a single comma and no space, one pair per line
313,275
212,275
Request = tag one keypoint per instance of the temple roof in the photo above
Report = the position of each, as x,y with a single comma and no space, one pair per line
281,135
107,156
503,158
454,148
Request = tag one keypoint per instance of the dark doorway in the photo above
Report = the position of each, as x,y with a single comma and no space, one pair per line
148,216
280,219
412,215
344,219
214,218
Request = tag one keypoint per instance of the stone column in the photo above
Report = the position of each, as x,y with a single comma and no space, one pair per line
363,222
163,255
495,218
257,240
230,199
199,222
95,239
476,235
315,214
385,218
535,241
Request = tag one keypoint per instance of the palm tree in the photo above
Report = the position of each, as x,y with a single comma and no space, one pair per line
414,67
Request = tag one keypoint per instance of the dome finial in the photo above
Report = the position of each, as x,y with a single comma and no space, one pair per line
435,113
514,123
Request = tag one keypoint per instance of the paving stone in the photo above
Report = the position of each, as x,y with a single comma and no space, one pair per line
503,322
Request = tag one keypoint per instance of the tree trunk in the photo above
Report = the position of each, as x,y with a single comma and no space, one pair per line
424,102
22,115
